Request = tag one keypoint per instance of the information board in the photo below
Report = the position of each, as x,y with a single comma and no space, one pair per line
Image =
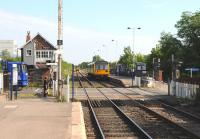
15,74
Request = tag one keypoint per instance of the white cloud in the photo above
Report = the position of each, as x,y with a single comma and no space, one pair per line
79,44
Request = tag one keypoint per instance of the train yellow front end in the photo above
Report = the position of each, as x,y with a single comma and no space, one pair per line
99,70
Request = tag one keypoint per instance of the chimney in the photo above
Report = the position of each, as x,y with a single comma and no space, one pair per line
28,36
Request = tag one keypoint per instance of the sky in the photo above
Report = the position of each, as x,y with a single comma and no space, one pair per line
89,26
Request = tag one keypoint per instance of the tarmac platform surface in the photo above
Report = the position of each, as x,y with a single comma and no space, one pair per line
127,81
40,118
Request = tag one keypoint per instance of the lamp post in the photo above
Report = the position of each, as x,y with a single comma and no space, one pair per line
133,28
116,44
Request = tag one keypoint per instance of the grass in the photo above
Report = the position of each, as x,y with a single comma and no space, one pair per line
27,95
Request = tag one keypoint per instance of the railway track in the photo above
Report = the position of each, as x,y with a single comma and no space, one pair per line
182,118
111,121
155,124
161,120
97,84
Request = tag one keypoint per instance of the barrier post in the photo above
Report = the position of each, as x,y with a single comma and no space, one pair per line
11,86
168,87
72,82
68,88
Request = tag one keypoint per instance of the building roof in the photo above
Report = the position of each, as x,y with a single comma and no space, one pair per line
41,43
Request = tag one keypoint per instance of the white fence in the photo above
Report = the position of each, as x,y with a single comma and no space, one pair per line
1,83
183,90
161,86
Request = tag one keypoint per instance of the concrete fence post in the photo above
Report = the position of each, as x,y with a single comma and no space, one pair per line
168,87
68,90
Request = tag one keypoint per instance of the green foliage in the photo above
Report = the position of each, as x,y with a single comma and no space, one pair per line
155,53
140,57
127,58
66,69
185,47
189,31
112,65
83,65
5,55
34,84
96,58
169,45
15,59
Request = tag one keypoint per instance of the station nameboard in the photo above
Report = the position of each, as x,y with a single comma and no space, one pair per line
59,42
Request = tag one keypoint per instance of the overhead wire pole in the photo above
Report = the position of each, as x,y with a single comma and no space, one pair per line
59,43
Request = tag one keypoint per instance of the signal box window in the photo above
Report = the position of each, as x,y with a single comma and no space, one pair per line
38,54
28,52
50,54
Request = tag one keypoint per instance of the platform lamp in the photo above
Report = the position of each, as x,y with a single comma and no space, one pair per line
133,28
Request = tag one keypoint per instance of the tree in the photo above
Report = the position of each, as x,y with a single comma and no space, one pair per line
5,55
96,58
189,31
155,53
169,45
83,65
140,58
185,47
127,58
66,68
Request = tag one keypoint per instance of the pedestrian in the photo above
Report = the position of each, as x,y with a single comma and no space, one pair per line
45,87
50,83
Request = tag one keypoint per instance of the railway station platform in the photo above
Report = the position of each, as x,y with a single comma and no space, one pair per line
123,80
41,118
157,87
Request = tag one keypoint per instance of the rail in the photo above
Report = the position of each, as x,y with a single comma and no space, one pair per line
102,136
130,121
160,116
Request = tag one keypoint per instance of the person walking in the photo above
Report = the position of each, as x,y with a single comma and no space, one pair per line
50,83
45,87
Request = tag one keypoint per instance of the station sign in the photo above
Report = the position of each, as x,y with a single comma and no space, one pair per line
59,42
192,69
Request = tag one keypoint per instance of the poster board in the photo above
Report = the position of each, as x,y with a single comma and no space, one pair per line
15,74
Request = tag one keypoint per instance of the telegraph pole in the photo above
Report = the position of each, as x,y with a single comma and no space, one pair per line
59,43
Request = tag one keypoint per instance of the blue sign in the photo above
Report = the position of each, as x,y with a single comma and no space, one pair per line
192,69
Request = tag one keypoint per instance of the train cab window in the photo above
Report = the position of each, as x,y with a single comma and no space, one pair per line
106,67
97,67
101,67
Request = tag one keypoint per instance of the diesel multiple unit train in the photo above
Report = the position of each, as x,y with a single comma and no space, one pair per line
98,70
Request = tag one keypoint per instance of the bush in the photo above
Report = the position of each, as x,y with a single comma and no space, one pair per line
34,84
